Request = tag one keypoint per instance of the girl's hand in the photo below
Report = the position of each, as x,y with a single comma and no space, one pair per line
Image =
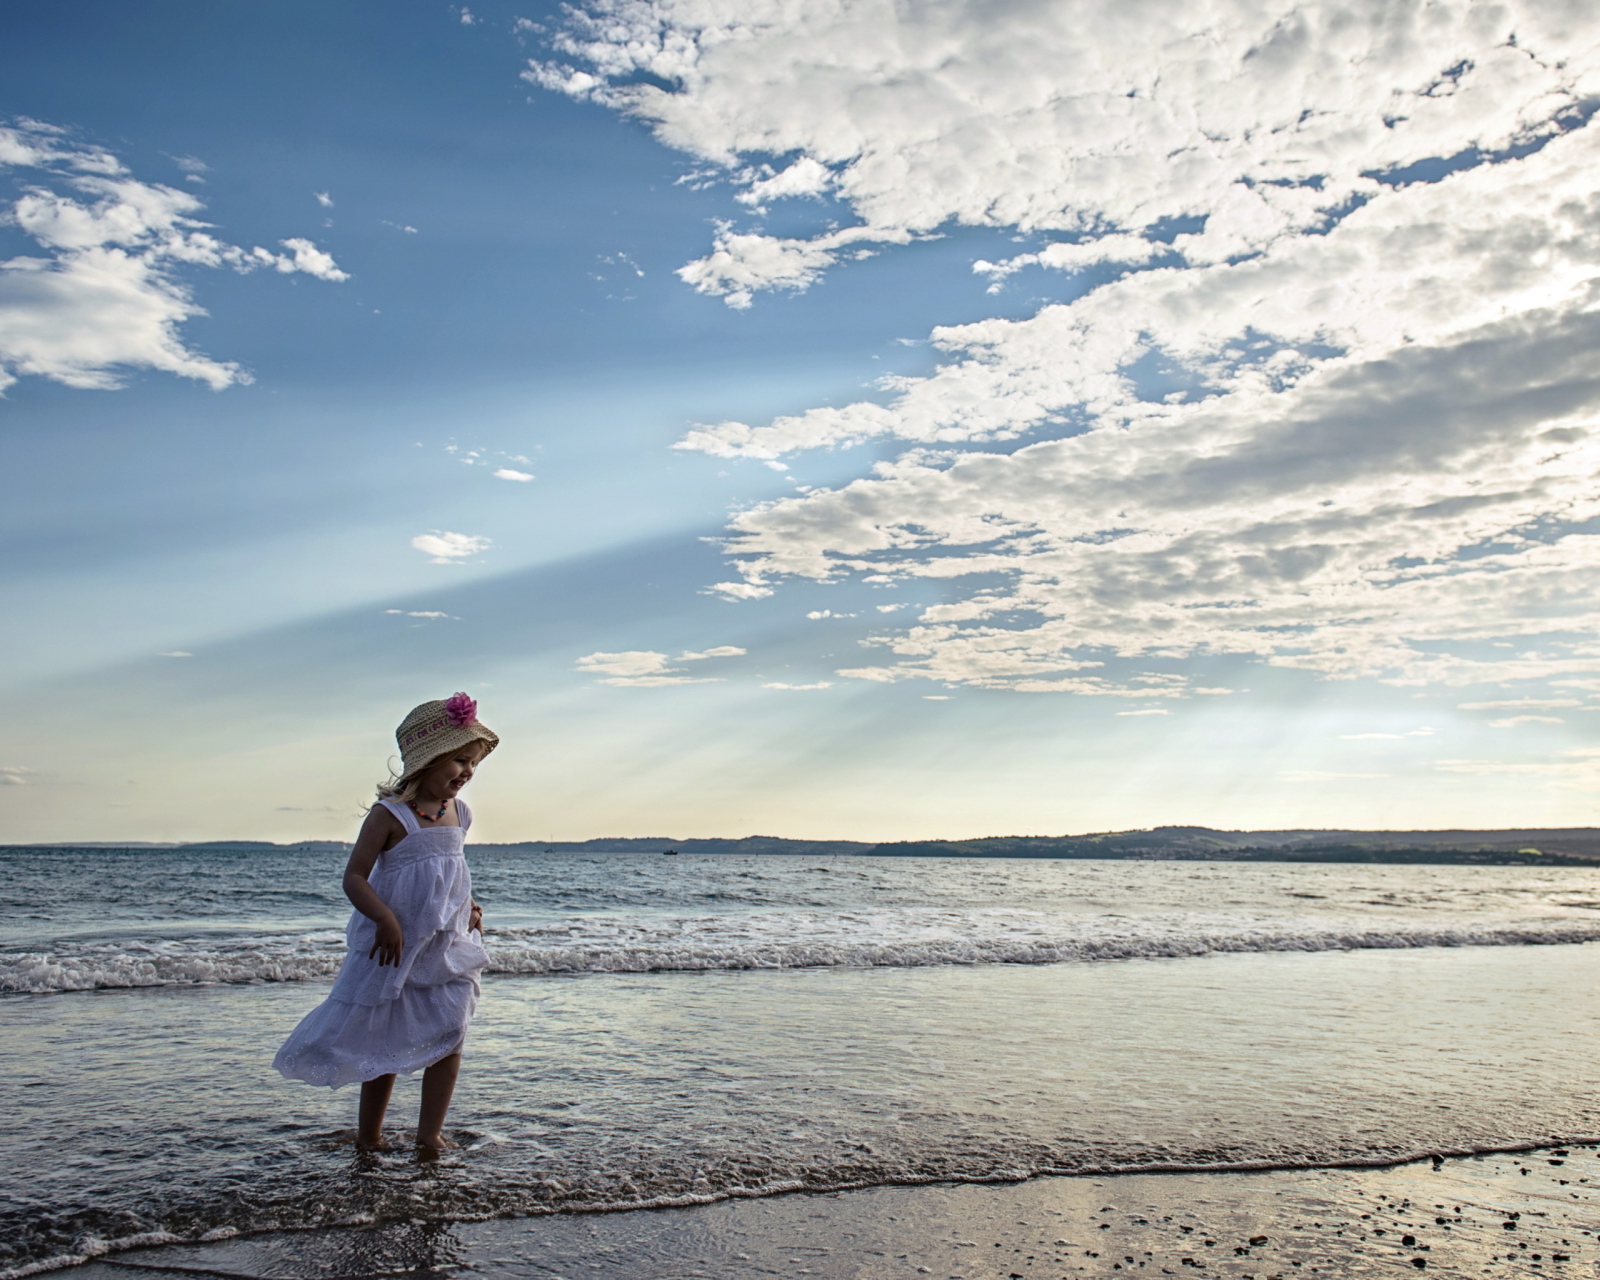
391,941
381,830
475,924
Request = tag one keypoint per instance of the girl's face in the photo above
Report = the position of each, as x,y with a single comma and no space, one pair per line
445,777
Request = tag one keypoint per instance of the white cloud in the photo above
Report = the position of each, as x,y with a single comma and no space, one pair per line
450,548
936,697
1094,119
11,775
778,684
1065,255
104,296
720,651
740,590
632,662
1146,711
508,473
324,199
1511,722
1518,704
740,264
1323,415
309,259
827,613
1392,737
422,613
640,667
805,177
646,668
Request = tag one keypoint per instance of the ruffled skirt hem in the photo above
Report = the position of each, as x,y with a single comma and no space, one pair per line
338,1042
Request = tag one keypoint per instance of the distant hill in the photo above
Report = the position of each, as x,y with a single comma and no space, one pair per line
1578,846
1569,846
1533,846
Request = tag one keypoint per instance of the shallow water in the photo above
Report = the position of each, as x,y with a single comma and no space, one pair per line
152,1108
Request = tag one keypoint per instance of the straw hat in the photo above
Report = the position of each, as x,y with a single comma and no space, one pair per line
436,729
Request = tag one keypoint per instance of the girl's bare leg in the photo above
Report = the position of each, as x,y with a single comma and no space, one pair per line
438,1086
374,1105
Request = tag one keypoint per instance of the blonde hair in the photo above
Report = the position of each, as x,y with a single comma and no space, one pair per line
405,789
401,789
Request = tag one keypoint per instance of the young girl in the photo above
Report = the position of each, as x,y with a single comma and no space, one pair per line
409,985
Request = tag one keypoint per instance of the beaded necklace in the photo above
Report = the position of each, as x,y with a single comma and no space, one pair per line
427,817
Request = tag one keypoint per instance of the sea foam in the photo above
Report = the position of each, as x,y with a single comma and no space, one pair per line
777,940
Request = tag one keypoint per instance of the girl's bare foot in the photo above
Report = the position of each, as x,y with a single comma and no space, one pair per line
374,1104
431,1148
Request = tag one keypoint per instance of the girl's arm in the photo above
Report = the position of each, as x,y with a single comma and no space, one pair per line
377,834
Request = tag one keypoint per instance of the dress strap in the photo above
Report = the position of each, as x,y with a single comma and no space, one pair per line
403,811
463,815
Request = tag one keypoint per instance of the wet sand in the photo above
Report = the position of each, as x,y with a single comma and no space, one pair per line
1533,1213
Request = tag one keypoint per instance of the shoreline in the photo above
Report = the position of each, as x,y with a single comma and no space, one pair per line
1461,1212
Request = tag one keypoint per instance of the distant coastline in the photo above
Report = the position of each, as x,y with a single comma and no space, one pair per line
1541,846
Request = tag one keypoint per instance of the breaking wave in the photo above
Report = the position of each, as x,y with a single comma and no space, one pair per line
904,938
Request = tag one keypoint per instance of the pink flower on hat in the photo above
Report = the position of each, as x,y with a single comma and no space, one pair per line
461,709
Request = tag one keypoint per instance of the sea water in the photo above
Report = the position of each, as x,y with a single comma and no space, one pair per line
675,1030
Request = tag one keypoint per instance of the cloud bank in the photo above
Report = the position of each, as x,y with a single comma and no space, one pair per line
104,295
1334,406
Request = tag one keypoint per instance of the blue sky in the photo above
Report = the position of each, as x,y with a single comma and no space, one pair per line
1084,433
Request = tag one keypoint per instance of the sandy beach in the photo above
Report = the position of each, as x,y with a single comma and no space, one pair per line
1487,1216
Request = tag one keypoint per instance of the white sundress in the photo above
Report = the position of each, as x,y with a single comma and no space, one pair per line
400,1018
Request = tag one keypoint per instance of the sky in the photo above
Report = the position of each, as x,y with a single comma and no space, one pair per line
818,418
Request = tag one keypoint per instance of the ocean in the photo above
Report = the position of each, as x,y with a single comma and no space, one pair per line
677,1030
